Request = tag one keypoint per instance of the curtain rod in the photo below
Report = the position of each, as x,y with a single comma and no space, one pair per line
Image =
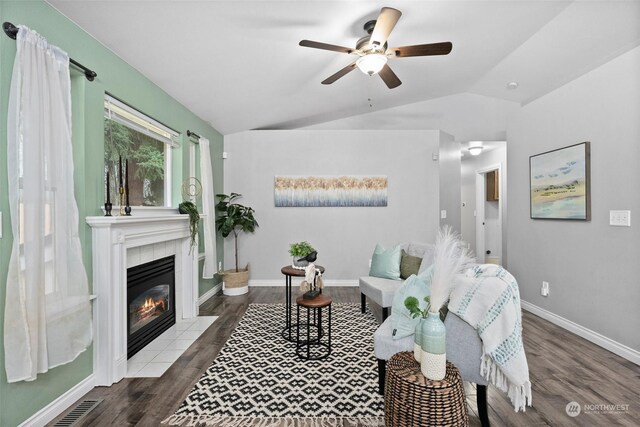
190,134
12,31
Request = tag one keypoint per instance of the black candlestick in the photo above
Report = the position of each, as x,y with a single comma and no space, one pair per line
107,205
127,208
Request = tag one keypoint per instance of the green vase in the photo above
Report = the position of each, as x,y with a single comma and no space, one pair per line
433,362
417,341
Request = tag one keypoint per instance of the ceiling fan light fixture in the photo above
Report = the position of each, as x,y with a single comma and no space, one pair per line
372,63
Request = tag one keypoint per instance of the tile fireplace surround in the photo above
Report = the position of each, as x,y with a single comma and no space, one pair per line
120,242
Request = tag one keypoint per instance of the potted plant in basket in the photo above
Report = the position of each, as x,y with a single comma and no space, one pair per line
234,218
302,253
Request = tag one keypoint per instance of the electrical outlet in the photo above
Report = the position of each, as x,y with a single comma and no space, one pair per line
369,262
443,214
620,218
544,291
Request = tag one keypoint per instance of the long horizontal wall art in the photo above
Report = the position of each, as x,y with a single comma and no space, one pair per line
330,191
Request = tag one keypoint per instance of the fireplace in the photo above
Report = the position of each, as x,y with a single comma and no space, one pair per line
150,302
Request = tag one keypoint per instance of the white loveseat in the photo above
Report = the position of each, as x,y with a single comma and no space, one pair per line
381,291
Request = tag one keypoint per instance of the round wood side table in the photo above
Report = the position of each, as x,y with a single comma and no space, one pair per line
310,346
410,399
290,272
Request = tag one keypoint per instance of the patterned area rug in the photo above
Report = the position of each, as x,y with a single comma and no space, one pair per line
257,380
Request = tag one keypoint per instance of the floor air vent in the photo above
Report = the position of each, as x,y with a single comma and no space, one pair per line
77,413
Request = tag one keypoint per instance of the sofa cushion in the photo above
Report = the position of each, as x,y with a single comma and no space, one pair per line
385,346
385,263
380,290
409,265
418,287
427,258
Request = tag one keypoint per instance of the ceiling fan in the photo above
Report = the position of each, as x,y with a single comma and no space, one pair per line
374,52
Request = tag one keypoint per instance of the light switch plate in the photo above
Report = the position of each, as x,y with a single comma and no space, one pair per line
620,218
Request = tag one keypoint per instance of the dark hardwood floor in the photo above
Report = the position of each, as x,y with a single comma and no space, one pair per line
563,368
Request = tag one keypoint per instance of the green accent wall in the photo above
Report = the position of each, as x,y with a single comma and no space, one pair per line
19,401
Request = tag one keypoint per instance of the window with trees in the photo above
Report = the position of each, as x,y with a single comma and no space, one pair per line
144,145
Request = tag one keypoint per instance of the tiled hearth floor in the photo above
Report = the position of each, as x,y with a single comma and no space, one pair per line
159,355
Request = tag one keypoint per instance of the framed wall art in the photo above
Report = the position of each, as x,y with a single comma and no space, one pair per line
330,191
560,183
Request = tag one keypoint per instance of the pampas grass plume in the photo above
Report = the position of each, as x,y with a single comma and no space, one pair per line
451,257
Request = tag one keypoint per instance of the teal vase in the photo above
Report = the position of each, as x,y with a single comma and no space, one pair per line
417,341
433,362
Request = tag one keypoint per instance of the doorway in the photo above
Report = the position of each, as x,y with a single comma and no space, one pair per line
483,221
489,215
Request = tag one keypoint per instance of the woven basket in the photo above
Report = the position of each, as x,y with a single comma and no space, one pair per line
233,279
410,399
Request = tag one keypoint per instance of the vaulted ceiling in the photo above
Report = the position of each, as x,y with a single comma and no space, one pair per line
238,66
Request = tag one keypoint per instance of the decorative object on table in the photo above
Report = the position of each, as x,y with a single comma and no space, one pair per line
302,253
127,208
192,210
107,205
412,304
330,191
235,218
560,183
312,283
451,258
217,400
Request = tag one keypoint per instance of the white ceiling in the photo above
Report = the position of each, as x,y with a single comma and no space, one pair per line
238,66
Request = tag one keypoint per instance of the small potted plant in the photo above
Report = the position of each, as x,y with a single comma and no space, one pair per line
303,253
234,218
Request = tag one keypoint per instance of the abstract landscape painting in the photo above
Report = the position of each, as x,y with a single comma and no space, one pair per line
330,191
560,183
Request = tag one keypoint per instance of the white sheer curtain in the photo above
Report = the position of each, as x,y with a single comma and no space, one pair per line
208,202
47,311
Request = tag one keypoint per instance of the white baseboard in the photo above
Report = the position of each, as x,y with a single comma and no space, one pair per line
61,404
596,338
295,281
211,292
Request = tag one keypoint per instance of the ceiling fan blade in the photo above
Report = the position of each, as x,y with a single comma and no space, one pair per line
389,77
325,46
339,74
384,25
442,48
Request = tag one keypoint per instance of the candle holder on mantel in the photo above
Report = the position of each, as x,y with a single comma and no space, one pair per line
122,210
107,209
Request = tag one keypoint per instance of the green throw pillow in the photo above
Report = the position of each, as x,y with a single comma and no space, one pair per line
409,265
415,286
385,263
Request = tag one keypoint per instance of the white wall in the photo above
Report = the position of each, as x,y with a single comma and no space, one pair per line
449,160
592,267
344,237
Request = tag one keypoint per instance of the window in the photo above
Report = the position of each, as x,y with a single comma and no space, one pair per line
144,145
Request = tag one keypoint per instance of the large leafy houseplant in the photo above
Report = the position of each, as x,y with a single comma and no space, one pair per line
234,218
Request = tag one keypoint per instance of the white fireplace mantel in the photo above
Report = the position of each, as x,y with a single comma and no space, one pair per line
112,238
